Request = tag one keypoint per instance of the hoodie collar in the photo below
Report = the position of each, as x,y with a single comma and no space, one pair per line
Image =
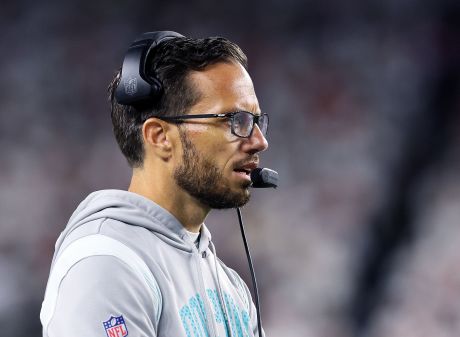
136,210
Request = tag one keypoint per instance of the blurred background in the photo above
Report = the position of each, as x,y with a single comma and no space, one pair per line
361,238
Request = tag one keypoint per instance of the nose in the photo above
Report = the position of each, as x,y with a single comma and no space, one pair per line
256,142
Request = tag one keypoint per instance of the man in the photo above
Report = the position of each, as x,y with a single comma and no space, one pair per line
141,262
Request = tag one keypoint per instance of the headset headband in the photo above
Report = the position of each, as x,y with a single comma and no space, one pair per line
135,86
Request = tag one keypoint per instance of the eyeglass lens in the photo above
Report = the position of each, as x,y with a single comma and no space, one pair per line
243,123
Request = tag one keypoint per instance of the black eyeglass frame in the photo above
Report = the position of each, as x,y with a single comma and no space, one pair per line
231,115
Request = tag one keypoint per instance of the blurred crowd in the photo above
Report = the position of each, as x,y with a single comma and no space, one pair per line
362,236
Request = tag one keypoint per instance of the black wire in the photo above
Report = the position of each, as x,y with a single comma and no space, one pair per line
251,268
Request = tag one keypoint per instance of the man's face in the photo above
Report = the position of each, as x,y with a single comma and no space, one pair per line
215,163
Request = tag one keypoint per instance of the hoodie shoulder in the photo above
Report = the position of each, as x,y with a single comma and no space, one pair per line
99,256
125,214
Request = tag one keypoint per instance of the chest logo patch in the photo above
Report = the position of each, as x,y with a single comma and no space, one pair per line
116,327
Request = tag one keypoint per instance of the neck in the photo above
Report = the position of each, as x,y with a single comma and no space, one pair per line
164,192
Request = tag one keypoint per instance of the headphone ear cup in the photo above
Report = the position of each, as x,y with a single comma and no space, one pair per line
156,87
136,87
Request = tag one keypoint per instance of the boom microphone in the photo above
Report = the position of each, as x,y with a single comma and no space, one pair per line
264,177
261,178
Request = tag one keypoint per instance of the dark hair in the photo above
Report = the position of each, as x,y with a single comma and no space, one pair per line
170,62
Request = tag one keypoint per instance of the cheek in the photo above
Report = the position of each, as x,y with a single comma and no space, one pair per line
219,149
215,142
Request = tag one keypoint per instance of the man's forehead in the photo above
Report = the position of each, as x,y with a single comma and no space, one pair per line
226,83
222,75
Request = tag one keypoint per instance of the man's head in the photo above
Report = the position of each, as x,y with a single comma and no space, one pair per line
171,62
202,157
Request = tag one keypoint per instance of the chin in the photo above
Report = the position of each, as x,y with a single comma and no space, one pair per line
243,198
231,199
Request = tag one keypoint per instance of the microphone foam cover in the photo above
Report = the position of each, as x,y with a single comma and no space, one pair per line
264,177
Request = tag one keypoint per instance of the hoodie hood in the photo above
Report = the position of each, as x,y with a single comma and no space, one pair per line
134,210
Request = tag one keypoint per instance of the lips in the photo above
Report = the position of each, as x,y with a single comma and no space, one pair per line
246,168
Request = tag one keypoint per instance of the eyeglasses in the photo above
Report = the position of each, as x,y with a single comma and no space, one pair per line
242,121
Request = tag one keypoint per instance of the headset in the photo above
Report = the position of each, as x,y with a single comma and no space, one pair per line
136,87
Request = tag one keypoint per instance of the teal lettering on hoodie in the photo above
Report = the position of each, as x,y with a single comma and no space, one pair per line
218,312
189,313
234,314
193,315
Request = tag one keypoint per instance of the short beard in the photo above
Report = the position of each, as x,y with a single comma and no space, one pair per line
201,178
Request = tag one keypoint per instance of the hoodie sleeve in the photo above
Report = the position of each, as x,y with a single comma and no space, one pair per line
102,296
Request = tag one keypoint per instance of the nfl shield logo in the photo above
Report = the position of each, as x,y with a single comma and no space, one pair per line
116,327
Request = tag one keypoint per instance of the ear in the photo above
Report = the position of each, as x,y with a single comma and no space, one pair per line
156,135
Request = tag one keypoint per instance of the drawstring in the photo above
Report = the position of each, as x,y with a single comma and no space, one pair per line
219,291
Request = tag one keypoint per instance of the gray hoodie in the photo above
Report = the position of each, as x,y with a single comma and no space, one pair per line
124,266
